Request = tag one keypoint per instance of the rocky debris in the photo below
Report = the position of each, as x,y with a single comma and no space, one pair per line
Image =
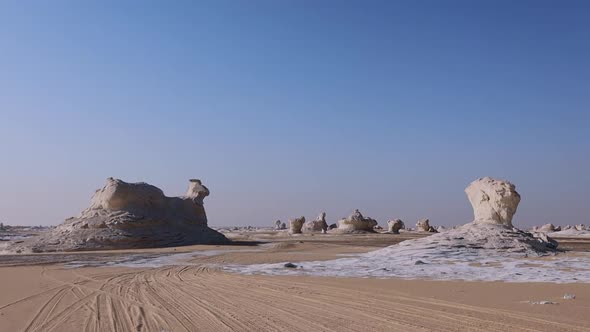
356,223
393,226
125,215
317,225
332,226
567,296
296,224
423,225
290,266
493,201
377,228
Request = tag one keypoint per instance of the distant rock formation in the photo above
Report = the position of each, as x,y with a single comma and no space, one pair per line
423,225
493,201
393,226
356,223
296,224
546,228
278,225
317,225
283,226
125,215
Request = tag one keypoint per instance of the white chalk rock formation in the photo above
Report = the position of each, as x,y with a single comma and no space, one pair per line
356,223
493,201
423,225
278,225
296,224
125,215
580,227
317,225
393,226
546,228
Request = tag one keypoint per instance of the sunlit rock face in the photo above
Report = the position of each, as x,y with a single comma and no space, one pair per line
393,226
493,201
317,225
125,215
356,222
296,224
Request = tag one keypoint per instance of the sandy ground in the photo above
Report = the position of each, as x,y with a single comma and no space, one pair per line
37,293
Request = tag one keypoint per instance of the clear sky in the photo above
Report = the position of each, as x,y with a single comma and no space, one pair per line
289,108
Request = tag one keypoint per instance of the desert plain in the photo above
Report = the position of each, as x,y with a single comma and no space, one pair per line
186,289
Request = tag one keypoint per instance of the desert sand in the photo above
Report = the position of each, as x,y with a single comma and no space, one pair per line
195,294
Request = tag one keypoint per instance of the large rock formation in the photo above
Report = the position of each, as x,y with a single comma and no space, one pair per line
125,215
317,225
356,223
493,201
423,225
393,226
296,224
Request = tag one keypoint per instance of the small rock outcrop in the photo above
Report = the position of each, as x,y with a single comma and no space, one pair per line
283,226
356,223
393,226
580,227
493,201
423,225
546,228
296,224
125,215
317,225
278,225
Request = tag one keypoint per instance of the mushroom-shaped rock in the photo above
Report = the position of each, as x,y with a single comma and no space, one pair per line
125,215
493,201
296,224
317,225
356,223
393,226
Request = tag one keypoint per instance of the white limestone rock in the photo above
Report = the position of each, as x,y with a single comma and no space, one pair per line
125,215
423,225
546,228
296,224
317,225
495,235
393,226
356,223
493,201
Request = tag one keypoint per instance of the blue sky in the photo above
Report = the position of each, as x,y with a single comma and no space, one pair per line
289,108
